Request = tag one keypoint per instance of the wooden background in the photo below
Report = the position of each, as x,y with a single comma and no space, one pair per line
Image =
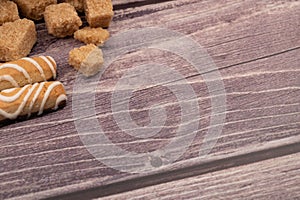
255,45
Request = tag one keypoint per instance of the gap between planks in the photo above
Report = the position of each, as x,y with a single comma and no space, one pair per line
203,167
277,178
121,5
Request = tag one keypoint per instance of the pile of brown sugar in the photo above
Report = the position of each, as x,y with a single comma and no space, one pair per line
18,36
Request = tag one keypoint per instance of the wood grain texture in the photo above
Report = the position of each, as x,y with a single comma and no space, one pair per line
186,171
277,178
255,45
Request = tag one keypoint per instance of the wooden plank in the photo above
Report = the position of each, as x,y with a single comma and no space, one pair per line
277,178
252,49
182,173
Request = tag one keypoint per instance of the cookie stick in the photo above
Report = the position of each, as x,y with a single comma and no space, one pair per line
27,71
31,99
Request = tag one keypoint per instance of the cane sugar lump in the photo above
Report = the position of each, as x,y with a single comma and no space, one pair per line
17,39
87,59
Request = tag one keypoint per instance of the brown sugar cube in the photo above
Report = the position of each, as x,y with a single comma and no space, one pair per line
62,20
16,39
78,4
87,59
8,11
90,35
33,9
99,13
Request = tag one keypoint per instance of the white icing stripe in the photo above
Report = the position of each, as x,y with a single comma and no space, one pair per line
17,67
36,64
21,107
6,91
50,66
36,95
50,58
54,67
60,99
9,79
46,96
9,99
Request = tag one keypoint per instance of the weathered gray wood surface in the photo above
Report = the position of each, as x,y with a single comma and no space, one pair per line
277,178
255,45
